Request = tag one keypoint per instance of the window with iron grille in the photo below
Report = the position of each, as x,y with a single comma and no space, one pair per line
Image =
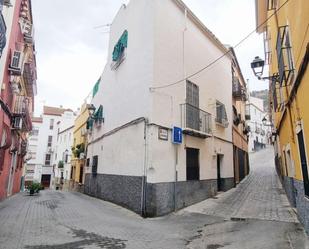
47,159
221,116
192,111
94,164
50,140
284,55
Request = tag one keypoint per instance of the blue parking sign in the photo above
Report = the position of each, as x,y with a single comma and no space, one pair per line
177,135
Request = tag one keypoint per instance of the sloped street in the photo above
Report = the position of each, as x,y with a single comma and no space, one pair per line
256,214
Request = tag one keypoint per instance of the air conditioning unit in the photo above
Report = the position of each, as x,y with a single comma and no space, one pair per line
16,62
82,156
225,123
50,150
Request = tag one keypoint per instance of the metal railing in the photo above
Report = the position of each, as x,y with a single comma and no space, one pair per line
239,92
21,116
195,119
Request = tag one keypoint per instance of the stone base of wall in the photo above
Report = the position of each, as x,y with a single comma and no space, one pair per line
125,191
302,204
288,184
161,198
227,183
296,195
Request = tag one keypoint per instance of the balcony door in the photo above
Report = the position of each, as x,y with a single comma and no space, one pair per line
192,112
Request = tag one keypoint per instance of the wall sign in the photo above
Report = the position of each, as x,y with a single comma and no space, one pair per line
177,135
163,133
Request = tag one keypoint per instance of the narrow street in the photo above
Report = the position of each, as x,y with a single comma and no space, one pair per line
256,214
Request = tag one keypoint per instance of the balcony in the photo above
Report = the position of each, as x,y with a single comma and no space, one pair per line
29,76
21,116
239,92
195,122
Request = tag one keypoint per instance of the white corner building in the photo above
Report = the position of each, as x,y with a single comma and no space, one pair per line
135,157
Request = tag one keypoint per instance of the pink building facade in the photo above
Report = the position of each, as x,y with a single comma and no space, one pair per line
18,89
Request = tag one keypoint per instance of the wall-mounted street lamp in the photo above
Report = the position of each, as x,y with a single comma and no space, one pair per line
257,66
91,110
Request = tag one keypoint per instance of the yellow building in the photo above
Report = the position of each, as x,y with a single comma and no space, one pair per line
286,39
79,148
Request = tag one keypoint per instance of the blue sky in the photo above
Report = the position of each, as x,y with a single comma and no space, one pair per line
71,52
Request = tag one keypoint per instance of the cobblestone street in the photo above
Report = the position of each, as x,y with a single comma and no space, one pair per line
254,215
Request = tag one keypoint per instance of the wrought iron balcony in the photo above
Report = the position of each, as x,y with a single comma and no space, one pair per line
195,122
239,92
21,116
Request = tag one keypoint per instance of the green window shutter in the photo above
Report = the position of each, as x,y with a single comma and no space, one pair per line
120,46
96,87
99,114
89,125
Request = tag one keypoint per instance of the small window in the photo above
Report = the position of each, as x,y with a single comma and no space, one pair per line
88,162
47,159
50,140
221,117
193,168
51,124
94,165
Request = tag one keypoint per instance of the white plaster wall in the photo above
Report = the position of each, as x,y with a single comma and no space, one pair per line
121,153
162,161
124,92
181,49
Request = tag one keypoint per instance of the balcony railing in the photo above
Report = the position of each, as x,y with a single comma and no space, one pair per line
239,92
21,117
195,122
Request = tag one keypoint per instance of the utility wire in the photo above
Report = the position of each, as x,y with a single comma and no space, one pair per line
223,55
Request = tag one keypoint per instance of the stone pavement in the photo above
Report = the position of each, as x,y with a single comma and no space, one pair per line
259,196
66,220
254,215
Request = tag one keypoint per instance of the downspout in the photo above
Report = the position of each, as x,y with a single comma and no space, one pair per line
144,175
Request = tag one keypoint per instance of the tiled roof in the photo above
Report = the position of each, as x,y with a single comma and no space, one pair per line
37,119
56,111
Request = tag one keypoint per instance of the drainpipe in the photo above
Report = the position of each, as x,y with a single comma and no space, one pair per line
144,175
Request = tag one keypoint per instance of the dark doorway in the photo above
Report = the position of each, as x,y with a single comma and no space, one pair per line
241,161
193,167
81,172
219,180
45,181
303,161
